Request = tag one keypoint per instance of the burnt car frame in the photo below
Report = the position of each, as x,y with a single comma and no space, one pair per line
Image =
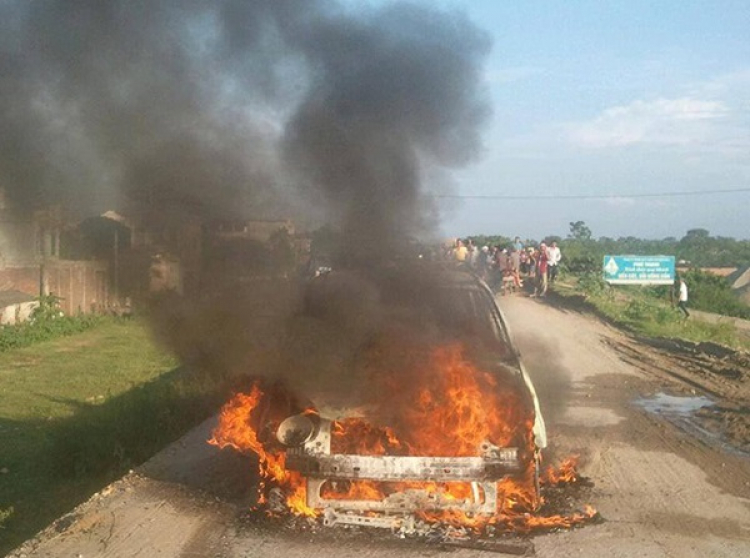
464,305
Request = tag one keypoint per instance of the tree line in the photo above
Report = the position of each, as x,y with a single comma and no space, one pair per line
582,251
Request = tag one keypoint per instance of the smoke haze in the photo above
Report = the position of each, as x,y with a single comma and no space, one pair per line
234,108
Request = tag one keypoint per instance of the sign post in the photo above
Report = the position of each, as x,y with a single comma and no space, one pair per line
639,270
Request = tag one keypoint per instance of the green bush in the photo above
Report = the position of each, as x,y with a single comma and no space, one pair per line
637,310
592,283
5,515
47,322
649,311
713,294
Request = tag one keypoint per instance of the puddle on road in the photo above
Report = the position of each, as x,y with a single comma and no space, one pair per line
664,404
684,413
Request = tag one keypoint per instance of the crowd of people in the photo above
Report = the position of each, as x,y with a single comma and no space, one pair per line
516,268
507,268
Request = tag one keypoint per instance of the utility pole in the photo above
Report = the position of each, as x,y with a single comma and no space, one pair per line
117,265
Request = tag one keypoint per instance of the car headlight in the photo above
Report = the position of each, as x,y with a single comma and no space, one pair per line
296,430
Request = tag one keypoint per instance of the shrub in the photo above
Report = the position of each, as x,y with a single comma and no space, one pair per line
5,515
47,322
637,310
666,315
592,283
713,294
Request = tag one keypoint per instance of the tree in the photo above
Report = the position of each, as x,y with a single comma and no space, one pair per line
581,254
579,231
696,233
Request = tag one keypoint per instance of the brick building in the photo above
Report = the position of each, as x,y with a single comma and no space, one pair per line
34,260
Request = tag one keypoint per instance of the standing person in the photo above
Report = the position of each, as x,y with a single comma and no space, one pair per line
501,264
540,285
473,254
524,262
515,267
683,298
493,268
553,260
483,262
518,250
460,253
532,258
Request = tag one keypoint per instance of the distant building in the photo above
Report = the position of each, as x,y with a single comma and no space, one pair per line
259,230
740,283
39,255
717,271
738,278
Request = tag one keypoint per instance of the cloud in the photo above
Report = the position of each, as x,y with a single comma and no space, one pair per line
732,86
681,122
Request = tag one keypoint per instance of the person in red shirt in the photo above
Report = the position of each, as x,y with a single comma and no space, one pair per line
540,286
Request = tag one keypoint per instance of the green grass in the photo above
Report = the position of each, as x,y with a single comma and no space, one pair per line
62,403
51,380
644,313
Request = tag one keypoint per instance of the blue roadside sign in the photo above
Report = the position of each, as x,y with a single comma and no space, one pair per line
639,270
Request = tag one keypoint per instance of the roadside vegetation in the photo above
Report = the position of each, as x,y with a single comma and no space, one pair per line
78,411
47,322
647,311
650,310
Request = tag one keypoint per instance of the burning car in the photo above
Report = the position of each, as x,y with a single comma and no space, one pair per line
449,428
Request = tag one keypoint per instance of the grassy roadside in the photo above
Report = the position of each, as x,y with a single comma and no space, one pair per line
77,412
644,312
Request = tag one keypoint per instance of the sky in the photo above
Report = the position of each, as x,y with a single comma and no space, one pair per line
618,99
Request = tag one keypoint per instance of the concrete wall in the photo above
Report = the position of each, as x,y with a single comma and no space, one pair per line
17,313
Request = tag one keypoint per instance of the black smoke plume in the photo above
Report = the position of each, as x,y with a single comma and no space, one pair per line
214,108
239,109
389,95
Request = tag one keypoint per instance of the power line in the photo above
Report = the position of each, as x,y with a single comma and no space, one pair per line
589,196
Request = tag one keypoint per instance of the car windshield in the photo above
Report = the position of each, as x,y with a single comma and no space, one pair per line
470,314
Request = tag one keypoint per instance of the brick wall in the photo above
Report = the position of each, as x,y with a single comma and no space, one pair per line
83,286
24,279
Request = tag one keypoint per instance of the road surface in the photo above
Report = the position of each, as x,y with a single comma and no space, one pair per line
666,488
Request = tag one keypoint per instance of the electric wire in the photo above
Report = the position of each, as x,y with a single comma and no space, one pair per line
589,196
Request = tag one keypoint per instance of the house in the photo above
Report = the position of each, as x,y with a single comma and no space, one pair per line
37,257
740,283
259,230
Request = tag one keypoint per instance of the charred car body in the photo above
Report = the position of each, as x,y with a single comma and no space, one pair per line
450,421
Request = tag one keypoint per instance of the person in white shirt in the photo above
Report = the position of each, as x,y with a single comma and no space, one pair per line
683,298
553,259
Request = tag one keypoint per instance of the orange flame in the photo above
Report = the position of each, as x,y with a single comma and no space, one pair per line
566,473
448,408
235,430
